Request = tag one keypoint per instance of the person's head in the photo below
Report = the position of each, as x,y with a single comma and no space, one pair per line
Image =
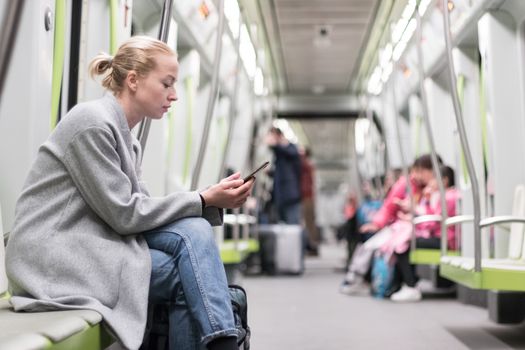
276,131
366,188
421,170
305,151
142,72
391,176
447,174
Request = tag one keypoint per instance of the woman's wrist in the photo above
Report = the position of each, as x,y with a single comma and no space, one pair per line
203,201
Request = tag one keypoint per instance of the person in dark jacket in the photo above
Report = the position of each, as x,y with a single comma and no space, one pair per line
286,194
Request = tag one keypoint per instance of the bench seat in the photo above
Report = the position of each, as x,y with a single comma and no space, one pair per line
56,330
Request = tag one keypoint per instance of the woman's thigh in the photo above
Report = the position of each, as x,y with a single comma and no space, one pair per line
185,233
165,283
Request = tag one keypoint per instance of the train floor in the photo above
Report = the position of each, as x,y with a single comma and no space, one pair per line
307,312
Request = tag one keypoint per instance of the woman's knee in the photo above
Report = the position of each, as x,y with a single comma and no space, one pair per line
198,231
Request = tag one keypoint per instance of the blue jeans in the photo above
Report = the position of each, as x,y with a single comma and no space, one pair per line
290,213
188,275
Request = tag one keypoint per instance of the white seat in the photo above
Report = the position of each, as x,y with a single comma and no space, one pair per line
466,263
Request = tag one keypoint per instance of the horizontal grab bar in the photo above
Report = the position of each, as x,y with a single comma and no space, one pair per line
458,219
502,219
426,218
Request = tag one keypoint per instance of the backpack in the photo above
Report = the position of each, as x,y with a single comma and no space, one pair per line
157,327
382,273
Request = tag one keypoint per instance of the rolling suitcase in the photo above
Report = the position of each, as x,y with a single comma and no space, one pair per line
281,248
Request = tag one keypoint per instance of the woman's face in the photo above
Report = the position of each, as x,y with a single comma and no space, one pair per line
156,91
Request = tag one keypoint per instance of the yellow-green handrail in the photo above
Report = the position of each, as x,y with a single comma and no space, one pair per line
113,11
58,60
188,83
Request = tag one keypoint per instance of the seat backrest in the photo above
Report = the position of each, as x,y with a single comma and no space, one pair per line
3,276
516,229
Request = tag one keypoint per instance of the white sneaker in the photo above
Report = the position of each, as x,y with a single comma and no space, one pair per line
357,286
406,294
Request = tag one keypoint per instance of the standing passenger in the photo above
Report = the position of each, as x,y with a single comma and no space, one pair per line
87,235
308,201
286,193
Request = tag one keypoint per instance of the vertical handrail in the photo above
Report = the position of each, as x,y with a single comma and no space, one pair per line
214,90
426,119
58,61
233,104
375,179
113,41
404,164
463,138
11,20
163,36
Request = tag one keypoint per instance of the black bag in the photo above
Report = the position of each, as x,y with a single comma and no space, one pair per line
156,336
240,314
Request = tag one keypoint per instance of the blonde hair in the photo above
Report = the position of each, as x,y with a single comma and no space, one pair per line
137,54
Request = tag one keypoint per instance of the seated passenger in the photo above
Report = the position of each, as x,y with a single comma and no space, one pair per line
420,174
428,234
87,234
355,218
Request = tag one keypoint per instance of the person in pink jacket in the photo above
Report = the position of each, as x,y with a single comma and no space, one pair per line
420,175
428,234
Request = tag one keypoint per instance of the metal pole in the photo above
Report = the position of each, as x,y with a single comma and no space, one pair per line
163,36
233,105
463,137
11,20
404,164
212,97
375,178
426,119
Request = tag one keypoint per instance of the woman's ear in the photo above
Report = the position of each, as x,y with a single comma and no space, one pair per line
132,80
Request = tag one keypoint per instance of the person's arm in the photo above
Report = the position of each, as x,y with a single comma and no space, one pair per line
389,208
95,168
285,151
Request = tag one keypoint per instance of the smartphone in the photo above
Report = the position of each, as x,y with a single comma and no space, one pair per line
264,165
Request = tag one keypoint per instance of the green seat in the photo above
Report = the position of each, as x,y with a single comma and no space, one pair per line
496,274
428,256
57,330
71,329
420,256
253,245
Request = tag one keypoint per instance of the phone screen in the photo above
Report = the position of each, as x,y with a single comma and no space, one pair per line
264,165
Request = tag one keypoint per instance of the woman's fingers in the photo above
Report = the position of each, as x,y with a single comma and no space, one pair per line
234,176
229,184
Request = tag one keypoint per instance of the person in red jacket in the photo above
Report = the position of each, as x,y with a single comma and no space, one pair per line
308,201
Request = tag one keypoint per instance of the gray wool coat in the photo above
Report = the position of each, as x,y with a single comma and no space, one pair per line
76,241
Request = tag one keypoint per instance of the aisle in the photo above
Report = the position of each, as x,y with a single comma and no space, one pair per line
308,313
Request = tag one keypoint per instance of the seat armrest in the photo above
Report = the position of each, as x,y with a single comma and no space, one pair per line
426,218
458,219
501,220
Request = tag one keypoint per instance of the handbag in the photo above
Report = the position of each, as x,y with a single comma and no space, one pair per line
157,328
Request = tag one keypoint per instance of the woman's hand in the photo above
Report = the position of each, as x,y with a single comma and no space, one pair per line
368,228
403,204
230,192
